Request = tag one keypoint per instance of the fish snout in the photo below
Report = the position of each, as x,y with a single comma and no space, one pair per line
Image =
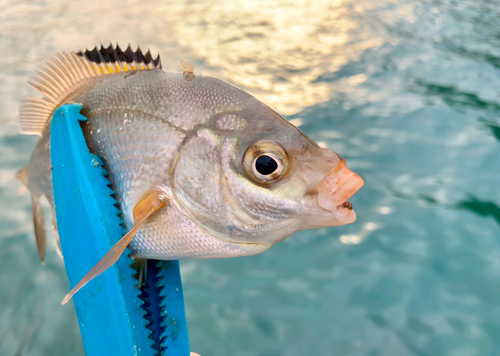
336,188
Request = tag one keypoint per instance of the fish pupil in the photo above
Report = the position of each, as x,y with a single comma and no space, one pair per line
266,165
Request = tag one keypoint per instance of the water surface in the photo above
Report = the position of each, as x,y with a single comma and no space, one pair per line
406,91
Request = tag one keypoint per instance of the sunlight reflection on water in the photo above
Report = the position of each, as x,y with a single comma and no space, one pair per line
406,91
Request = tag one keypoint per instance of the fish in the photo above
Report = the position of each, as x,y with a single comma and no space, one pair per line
201,169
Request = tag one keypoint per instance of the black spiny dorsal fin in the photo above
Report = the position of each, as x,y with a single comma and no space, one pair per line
116,60
62,74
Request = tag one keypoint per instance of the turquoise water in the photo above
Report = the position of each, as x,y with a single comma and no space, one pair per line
406,91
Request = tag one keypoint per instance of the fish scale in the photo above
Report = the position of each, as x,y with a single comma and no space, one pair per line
132,152
113,318
181,150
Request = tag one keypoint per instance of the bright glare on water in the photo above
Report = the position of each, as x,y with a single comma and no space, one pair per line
406,91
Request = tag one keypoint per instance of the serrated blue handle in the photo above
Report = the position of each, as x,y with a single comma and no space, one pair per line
108,308
175,333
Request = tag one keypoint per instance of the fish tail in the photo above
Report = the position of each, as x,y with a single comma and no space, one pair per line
56,233
39,223
38,216
22,176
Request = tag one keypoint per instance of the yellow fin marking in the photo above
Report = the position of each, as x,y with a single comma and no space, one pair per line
62,75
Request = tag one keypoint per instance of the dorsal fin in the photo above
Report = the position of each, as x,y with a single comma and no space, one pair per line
66,72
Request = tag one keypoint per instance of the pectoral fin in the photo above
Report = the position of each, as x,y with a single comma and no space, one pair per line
150,203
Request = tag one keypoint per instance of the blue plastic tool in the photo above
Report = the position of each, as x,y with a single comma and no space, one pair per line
115,317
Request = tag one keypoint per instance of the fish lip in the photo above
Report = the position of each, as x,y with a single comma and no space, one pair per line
331,196
344,213
319,217
338,185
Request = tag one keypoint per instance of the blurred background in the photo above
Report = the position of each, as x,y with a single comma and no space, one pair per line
406,91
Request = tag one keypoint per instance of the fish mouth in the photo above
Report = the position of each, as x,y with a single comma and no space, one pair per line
335,189
343,214
347,205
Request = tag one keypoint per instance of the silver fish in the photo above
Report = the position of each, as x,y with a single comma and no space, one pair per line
233,175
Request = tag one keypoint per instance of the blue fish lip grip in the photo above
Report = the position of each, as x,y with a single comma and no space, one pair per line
115,317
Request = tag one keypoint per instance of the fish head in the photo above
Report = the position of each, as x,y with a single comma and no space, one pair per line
252,177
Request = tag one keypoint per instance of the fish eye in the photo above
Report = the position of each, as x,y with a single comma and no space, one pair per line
266,165
265,162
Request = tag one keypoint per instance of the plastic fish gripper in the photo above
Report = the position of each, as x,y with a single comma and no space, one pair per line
115,317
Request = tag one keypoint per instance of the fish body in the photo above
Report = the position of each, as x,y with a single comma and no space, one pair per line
236,176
